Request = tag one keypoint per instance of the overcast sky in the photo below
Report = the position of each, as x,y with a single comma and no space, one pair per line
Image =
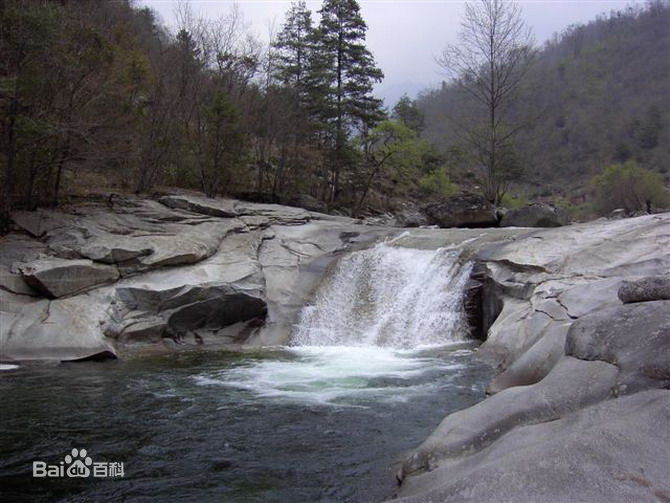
406,35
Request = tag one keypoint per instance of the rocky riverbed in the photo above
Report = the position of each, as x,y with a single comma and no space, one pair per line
580,407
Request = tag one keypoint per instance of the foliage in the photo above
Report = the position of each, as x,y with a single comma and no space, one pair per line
392,151
514,201
407,112
92,90
437,183
630,187
596,95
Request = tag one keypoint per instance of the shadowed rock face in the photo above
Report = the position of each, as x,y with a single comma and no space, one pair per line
466,210
535,215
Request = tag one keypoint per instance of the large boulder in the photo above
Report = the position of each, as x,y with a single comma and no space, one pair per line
612,451
464,210
573,417
218,271
411,216
56,277
645,289
59,329
535,215
570,385
634,337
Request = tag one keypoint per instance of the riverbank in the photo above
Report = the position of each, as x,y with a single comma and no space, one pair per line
580,406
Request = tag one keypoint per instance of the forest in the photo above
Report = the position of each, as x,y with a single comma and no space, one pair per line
100,96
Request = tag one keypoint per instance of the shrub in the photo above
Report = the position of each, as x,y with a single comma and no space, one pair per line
437,183
512,202
630,187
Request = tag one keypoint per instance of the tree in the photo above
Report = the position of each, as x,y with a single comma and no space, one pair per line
630,187
390,148
489,63
293,45
217,65
408,113
342,74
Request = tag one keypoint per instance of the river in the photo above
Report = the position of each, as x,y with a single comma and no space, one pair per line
370,372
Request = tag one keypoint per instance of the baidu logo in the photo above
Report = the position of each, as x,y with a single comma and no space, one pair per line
78,464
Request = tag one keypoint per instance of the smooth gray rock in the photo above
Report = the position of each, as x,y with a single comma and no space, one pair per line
465,210
535,215
226,208
606,248
199,204
634,337
221,290
614,451
557,275
60,329
645,289
546,283
56,277
534,364
571,385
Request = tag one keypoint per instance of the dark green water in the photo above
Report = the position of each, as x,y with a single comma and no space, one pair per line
299,425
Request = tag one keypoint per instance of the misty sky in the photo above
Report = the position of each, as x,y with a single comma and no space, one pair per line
406,35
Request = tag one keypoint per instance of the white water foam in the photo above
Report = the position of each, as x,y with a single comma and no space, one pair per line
387,296
358,341
339,375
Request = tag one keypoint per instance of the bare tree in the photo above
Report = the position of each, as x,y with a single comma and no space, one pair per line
489,63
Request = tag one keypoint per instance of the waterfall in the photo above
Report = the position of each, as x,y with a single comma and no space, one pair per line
388,296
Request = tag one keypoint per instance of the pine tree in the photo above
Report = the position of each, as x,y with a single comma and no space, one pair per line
293,45
342,75
408,113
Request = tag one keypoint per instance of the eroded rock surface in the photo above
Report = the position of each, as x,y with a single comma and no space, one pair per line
55,277
96,279
583,378
612,451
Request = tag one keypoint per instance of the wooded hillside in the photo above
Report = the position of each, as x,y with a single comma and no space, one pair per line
99,96
597,94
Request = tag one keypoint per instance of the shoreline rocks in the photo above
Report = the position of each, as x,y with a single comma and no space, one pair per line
580,408
99,279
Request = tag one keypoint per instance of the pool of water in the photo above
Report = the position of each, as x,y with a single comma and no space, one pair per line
305,424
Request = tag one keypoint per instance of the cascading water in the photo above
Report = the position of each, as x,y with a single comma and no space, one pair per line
388,296
371,335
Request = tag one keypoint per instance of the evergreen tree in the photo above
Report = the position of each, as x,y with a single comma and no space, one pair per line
293,45
408,113
342,74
